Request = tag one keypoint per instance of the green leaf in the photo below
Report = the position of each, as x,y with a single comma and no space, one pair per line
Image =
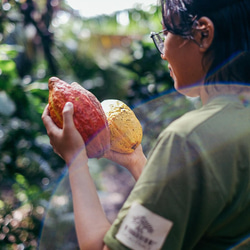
7,66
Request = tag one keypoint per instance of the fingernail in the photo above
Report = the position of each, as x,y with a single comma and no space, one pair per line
68,105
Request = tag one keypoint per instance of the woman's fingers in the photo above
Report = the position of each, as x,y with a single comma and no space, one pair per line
68,112
48,122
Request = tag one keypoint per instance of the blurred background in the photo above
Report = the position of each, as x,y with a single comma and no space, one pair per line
105,48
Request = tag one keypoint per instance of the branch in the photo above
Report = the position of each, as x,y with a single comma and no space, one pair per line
30,12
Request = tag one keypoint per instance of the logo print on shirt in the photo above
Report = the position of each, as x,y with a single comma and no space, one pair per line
138,232
142,229
142,223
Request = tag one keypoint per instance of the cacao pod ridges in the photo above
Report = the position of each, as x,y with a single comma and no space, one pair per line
89,117
125,129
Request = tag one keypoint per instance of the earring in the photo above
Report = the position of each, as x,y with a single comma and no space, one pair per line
201,46
204,34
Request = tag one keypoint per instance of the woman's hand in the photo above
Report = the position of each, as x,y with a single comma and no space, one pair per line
134,162
66,142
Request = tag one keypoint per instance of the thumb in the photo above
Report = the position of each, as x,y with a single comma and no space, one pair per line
68,112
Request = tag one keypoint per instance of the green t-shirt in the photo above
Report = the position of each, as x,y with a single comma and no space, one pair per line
198,178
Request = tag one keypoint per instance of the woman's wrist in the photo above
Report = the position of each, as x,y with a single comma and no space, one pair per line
137,166
77,160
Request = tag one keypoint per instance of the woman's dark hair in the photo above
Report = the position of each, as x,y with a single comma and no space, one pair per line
231,19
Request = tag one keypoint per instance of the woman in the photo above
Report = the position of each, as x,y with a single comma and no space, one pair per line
193,191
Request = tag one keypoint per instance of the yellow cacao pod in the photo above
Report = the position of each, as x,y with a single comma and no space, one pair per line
125,129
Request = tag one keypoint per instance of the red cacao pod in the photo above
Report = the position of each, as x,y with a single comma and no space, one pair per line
89,117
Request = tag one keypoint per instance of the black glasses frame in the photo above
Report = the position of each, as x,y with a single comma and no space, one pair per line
158,40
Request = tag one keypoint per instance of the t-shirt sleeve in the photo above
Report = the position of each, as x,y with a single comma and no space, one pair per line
174,186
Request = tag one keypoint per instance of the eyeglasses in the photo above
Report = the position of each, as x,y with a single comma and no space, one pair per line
158,39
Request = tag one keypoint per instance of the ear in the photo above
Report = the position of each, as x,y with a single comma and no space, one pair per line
205,33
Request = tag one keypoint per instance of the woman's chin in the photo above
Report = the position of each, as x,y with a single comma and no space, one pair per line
190,91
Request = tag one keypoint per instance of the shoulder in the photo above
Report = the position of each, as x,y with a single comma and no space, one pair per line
218,114
193,120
